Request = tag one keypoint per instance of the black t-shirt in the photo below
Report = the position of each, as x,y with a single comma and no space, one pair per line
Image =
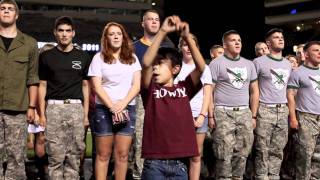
64,72
6,42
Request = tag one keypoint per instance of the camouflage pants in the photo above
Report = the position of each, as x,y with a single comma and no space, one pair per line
271,138
13,139
64,140
315,162
289,156
232,142
308,133
137,160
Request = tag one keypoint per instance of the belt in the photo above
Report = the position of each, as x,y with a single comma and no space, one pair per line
66,101
274,105
315,116
10,112
233,108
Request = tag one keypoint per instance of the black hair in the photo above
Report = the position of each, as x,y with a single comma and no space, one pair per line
272,31
171,54
64,20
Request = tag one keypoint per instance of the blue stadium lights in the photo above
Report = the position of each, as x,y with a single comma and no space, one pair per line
293,11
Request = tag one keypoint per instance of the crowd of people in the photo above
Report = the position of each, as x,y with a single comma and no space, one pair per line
157,102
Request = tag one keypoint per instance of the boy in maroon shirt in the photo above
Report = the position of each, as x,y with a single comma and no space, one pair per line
168,135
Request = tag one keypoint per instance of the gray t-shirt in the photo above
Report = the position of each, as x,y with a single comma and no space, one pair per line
231,78
307,81
273,75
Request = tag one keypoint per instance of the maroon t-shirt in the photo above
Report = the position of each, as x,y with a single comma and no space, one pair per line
168,130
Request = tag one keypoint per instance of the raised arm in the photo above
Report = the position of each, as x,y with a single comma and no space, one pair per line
198,59
170,24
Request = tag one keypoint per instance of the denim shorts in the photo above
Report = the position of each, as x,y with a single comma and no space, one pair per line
102,123
204,128
157,169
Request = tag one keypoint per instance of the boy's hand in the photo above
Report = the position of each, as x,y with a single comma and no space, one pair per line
184,28
170,24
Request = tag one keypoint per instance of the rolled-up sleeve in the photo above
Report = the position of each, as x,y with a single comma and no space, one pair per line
33,77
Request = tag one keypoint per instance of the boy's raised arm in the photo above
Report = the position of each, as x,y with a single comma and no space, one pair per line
170,24
198,59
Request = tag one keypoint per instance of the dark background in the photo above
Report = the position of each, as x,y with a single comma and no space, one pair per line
209,19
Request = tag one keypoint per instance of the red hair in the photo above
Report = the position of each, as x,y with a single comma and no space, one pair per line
127,50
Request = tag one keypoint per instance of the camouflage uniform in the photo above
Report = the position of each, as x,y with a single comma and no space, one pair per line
308,133
19,69
137,160
272,123
315,162
64,140
13,128
306,81
271,138
233,135
232,139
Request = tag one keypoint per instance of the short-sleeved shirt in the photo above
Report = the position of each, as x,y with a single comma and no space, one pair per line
197,100
168,130
307,81
116,78
273,75
64,73
141,47
232,78
18,70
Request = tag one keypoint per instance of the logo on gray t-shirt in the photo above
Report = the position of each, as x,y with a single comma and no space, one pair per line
237,76
279,77
315,81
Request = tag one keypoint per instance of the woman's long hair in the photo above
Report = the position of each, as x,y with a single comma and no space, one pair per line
127,50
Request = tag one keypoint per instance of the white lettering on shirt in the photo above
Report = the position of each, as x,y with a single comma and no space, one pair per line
179,92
